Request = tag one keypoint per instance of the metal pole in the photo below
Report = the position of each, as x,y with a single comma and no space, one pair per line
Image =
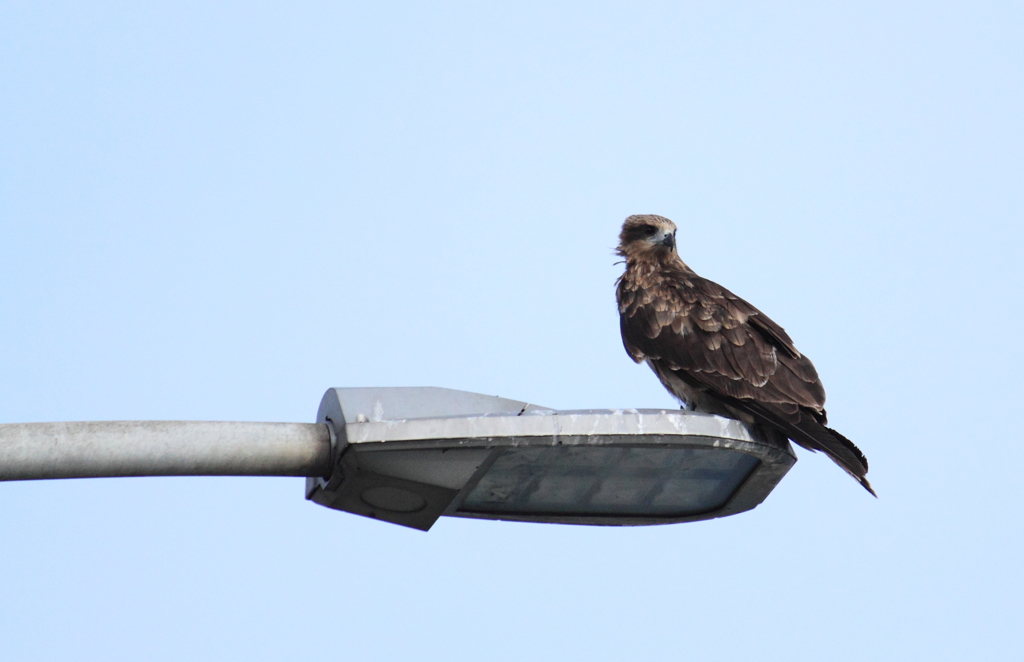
31,451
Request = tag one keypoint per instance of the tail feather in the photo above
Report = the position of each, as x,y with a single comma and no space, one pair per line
812,435
816,437
849,445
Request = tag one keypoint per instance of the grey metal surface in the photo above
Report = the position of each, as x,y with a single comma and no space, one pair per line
31,451
402,403
555,427
450,439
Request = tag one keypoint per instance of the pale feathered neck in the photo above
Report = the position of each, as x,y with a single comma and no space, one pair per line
646,262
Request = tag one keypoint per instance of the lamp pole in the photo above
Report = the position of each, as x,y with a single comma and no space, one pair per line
34,451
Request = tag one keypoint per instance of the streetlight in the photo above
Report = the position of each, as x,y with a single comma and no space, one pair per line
411,455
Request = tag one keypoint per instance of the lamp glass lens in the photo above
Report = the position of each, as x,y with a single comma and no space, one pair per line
610,481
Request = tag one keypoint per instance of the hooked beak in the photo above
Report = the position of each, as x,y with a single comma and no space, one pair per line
669,240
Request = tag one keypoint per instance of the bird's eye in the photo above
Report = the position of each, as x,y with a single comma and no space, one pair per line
649,230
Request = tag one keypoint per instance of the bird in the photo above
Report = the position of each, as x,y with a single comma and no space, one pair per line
715,352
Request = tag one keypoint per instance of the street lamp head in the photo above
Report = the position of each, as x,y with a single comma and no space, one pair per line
411,455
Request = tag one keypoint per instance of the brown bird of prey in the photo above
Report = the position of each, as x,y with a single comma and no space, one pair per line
714,351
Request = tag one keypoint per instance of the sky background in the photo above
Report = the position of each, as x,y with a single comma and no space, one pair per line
218,211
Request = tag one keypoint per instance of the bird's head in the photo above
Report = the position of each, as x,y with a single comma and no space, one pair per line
647,235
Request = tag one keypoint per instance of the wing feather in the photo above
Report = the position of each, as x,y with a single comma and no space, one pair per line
702,328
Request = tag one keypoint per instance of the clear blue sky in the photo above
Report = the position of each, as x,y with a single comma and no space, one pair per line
216,212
